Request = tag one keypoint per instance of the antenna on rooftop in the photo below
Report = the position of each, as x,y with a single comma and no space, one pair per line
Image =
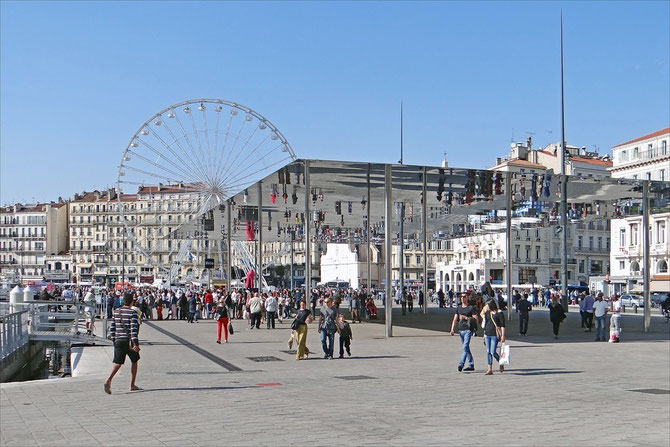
511,140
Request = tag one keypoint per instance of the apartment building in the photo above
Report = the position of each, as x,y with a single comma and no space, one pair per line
28,234
536,258
643,158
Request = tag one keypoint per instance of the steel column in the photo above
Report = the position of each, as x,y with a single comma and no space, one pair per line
424,208
308,245
388,243
292,259
508,242
401,244
260,238
646,246
564,194
367,232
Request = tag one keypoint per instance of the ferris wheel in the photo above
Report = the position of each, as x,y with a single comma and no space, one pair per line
186,160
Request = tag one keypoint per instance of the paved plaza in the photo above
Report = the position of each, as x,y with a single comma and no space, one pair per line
393,392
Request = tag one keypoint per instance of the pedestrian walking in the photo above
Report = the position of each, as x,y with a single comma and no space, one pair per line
345,335
299,325
255,311
556,314
615,319
524,308
271,307
465,314
600,313
494,332
403,299
327,327
586,310
221,313
124,331
192,305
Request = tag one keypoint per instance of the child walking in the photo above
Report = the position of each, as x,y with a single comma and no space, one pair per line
345,335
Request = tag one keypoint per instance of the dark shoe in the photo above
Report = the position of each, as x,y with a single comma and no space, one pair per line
108,388
341,356
460,368
325,356
469,368
597,339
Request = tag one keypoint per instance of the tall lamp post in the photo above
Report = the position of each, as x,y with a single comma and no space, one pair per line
123,260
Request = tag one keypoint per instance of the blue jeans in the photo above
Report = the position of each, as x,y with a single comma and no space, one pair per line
491,345
327,347
600,328
467,355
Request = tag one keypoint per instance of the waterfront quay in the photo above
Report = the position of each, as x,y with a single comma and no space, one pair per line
398,391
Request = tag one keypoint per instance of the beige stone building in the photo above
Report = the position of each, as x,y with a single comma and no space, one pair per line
28,234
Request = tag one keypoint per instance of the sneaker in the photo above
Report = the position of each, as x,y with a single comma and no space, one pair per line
469,368
460,368
218,341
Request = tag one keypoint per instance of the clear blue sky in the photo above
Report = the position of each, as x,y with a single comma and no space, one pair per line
79,78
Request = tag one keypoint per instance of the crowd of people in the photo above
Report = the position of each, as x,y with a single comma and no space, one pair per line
125,311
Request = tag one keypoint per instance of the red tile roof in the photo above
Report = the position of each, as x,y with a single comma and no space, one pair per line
526,163
592,161
165,189
644,137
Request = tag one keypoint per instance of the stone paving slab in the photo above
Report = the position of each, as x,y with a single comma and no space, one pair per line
556,392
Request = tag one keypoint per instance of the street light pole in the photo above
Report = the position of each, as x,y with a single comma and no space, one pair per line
564,194
123,261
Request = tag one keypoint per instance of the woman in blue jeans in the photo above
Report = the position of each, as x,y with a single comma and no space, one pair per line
494,332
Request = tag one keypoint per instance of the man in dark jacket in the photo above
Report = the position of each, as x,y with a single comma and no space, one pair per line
524,307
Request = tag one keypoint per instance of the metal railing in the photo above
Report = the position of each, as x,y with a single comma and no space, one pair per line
13,332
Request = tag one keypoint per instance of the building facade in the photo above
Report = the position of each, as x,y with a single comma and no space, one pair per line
535,257
28,234
643,158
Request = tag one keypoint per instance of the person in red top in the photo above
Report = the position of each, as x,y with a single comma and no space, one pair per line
209,302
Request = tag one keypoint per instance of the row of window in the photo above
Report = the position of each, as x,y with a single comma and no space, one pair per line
167,206
633,238
639,153
24,220
25,232
27,246
661,266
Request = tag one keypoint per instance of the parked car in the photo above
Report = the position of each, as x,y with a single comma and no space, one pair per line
633,301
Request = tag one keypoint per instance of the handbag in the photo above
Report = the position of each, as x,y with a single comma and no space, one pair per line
230,329
504,354
294,324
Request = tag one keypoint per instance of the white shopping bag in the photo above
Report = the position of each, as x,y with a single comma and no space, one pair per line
504,354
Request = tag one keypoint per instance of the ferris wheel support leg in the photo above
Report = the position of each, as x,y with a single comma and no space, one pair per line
229,253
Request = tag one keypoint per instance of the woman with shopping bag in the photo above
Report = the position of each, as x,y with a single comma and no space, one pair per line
494,332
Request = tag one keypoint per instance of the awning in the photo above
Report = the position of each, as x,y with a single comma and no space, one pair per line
660,283
84,266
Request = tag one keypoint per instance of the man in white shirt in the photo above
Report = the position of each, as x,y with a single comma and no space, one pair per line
600,309
270,310
255,310
615,320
